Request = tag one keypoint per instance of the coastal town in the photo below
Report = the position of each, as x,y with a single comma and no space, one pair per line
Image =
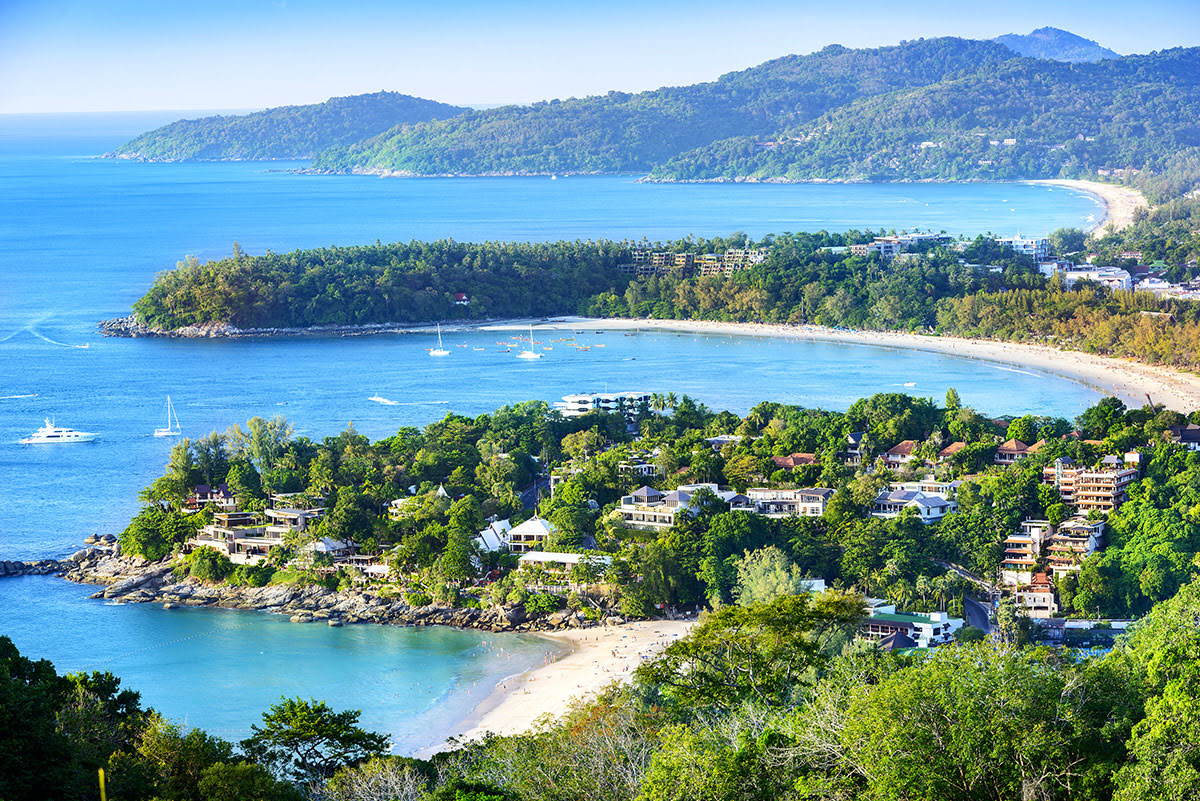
913,481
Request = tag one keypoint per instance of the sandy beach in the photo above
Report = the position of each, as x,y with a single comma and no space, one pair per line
1128,380
595,658
1120,202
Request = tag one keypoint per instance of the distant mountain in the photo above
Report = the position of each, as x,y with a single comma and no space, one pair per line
287,132
1024,118
1056,45
621,132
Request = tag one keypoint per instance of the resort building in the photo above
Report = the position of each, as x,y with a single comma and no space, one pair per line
1101,489
1037,249
854,448
720,441
1188,436
1022,551
583,403
784,502
632,467
530,535
900,454
553,570
929,508
494,537
1072,542
930,486
926,630
647,509
794,460
1036,599
218,495
285,521
950,451
1013,450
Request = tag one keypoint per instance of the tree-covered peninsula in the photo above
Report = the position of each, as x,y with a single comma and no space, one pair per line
975,288
778,692
287,132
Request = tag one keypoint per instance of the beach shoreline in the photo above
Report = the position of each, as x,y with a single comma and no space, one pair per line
1118,202
1129,380
589,661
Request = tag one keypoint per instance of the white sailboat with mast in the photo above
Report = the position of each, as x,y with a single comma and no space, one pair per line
531,353
439,350
172,428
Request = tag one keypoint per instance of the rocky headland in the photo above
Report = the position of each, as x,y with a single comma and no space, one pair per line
132,579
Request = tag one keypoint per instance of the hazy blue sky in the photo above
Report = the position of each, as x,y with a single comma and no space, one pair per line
59,55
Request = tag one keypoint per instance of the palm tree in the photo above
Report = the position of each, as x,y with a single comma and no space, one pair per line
672,401
657,401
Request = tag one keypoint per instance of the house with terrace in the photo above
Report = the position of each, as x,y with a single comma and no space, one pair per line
794,460
785,502
1073,541
218,495
1013,450
1036,598
531,535
929,508
647,509
1022,550
900,454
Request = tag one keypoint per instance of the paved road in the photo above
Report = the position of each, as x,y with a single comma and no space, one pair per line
533,492
977,615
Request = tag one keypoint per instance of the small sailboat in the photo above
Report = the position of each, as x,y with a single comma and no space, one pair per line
531,353
439,350
172,428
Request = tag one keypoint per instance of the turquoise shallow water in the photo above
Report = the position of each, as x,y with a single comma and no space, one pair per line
80,239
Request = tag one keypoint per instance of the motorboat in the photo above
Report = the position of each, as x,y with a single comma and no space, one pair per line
51,434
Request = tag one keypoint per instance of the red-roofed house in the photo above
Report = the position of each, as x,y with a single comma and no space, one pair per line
795,460
901,454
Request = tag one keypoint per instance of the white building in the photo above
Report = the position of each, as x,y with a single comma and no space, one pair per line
494,537
647,509
933,628
1037,249
929,507
531,534
787,502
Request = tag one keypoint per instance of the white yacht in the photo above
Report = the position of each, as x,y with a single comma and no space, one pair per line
531,353
439,350
172,429
50,434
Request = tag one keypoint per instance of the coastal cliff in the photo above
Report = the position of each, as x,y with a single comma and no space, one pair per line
128,579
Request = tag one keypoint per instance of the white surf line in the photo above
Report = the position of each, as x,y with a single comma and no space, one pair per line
383,400
14,397
995,366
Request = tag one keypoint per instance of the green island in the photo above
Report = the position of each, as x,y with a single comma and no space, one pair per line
833,557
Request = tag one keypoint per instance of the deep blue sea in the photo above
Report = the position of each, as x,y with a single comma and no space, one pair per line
82,237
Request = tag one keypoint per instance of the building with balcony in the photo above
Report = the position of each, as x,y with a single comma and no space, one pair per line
929,508
1022,550
786,502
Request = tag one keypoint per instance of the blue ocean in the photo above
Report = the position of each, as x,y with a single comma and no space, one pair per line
81,238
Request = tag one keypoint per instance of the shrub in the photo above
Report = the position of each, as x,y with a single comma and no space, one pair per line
542,604
252,575
417,599
207,564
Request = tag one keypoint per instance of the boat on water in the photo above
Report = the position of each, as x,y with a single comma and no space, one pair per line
50,434
172,428
439,350
531,353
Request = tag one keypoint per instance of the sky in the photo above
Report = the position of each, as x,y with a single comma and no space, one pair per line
119,55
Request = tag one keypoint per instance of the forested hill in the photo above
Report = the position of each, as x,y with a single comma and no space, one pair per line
287,132
621,132
1056,44
1025,118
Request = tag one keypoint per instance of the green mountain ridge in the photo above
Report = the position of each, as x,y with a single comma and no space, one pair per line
1056,44
286,132
1026,118
621,132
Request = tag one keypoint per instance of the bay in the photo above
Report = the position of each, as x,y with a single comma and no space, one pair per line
81,238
